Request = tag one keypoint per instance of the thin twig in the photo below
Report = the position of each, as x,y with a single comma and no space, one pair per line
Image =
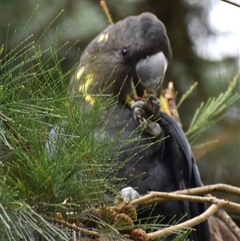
153,197
170,95
74,227
158,197
226,219
211,188
190,223
189,195
106,11
223,216
232,3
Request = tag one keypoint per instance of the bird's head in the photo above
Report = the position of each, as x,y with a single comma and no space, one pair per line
128,58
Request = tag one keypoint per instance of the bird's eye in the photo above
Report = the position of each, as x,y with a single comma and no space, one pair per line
124,52
146,57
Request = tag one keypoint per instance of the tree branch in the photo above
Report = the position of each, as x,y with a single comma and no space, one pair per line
155,197
75,228
190,195
210,189
158,197
223,216
190,223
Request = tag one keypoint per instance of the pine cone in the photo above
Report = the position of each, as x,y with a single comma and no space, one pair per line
138,235
108,214
127,208
123,222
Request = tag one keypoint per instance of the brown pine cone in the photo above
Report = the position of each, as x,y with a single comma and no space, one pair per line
138,235
127,208
108,214
123,222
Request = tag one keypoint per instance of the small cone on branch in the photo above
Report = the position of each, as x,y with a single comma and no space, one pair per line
124,222
138,235
127,208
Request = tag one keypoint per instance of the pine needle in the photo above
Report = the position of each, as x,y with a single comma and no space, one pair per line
210,112
106,11
185,96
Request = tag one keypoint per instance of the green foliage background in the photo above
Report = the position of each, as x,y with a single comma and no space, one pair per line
34,183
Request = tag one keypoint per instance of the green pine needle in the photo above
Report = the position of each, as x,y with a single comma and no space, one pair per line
213,110
186,95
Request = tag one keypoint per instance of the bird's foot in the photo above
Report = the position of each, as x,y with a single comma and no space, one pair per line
150,104
154,105
150,127
143,113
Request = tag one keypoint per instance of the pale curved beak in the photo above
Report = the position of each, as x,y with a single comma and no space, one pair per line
151,71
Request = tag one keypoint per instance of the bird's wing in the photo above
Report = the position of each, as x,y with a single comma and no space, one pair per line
191,177
177,132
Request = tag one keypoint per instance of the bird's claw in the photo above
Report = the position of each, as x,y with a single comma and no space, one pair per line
144,112
154,105
153,129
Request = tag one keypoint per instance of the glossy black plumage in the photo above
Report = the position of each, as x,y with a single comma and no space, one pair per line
163,163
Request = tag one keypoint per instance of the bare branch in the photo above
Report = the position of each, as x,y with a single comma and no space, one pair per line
210,189
190,223
217,205
75,228
222,215
154,197
158,197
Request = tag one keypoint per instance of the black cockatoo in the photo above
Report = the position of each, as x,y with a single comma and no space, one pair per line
129,60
